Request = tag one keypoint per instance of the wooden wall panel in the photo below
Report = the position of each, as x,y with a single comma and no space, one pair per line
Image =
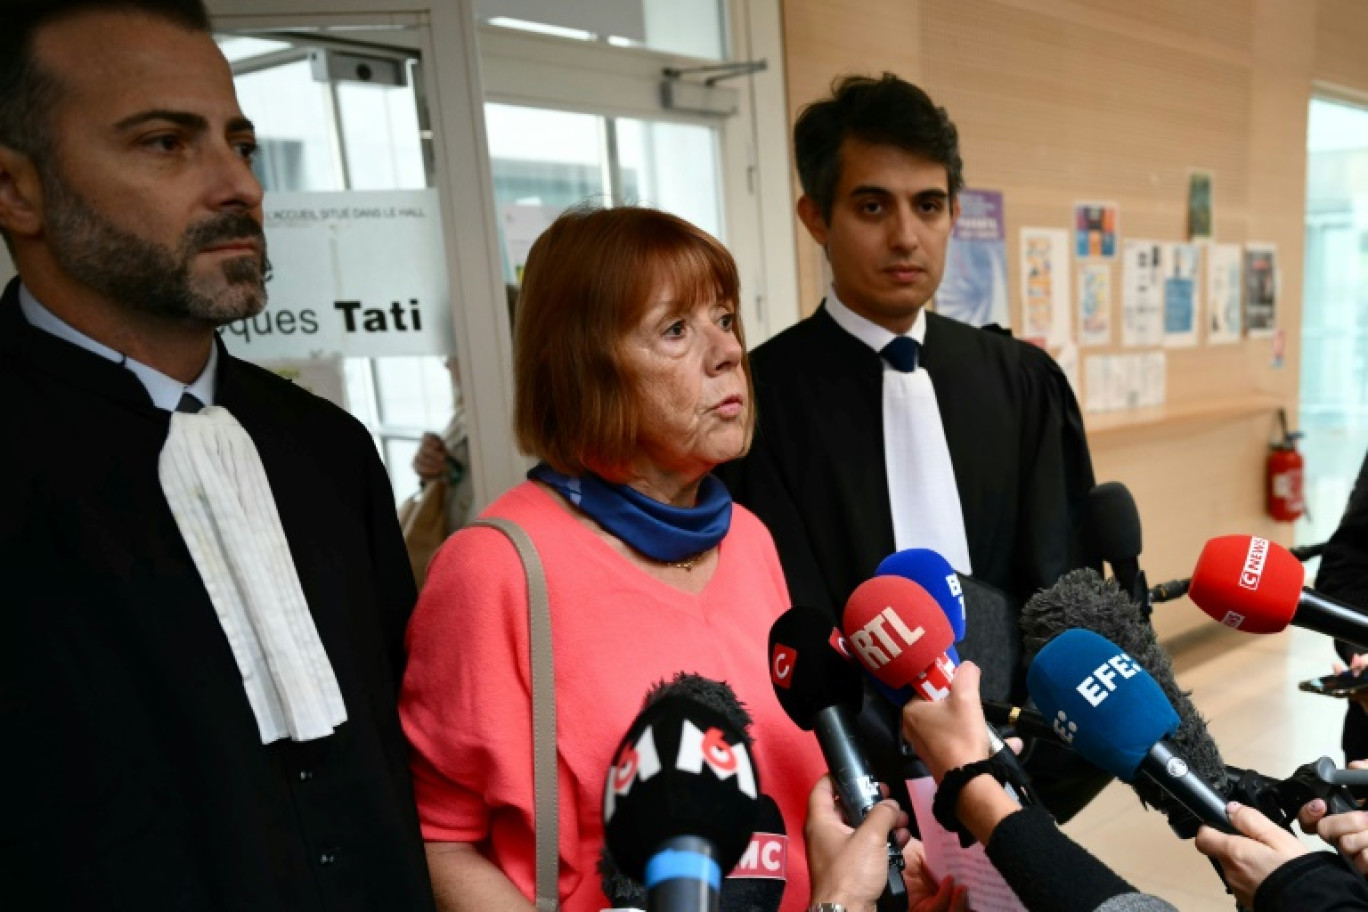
1065,100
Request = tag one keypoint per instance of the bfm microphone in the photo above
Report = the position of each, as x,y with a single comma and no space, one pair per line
933,573
757,882
1113,713
1255,585
1083,599
1115,523
680,803
821,692
900,635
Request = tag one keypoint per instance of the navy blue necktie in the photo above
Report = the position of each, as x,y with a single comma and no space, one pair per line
902,353
188,403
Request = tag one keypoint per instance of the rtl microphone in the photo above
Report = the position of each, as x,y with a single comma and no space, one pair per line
821,692
930,570
1115,523
899,634
1255,585
1113,713
680,803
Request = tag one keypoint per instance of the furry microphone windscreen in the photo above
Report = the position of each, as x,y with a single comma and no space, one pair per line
1082,598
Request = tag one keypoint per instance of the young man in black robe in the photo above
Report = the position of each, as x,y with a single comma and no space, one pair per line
203,611
882,426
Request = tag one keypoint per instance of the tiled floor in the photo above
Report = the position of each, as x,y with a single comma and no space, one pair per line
1246,687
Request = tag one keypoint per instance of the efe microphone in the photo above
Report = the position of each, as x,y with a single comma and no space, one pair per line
1256,585
821,692
680,803
1114,714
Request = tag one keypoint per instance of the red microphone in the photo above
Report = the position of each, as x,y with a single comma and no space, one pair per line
899,633
1255,585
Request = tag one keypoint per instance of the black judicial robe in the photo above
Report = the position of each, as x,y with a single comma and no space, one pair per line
132,776
815,473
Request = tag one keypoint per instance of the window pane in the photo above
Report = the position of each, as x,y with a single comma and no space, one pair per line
672,167
693,28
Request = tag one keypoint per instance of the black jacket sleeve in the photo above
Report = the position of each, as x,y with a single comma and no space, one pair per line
1049,872
1318,882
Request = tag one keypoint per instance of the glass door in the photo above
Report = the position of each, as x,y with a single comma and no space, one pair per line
1334,380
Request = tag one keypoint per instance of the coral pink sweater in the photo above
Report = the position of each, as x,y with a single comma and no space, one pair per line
466,702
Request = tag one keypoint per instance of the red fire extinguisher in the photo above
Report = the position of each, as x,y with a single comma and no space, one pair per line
1285,475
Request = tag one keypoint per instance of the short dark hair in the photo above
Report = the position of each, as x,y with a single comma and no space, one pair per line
887,111
27,93
588,280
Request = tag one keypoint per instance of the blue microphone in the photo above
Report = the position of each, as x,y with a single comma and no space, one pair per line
1112,713
933,573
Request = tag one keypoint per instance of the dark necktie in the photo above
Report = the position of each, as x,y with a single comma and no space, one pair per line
902,353
188,403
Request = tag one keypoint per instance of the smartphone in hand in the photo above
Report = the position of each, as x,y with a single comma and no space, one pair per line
1344,684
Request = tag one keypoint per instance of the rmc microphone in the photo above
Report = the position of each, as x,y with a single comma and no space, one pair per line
757,882
1255,585
900,635
680,803
1112,712
821,692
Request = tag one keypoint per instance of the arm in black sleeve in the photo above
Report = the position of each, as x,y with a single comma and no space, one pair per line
1315,882
1343,570
1049,872
395,586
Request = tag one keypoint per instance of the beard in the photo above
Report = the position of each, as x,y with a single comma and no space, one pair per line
153,278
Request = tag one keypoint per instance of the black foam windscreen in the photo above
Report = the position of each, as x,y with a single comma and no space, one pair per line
1114,521
716,695
807,668
681,770
1082,598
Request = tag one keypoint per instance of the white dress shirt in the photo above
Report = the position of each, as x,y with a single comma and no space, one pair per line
922,494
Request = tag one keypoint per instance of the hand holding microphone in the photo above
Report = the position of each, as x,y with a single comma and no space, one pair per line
1247,857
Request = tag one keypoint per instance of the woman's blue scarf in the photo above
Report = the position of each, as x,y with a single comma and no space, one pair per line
657,530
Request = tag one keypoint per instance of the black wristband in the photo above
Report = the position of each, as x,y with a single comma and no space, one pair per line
947,795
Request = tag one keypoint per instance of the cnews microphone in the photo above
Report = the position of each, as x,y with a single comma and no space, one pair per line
680,803
933,573
900,635
1113,713
821,692
1255,585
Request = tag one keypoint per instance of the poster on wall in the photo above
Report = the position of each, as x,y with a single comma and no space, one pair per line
973,289
1094,303
1142,295
1199,206
1224,280
1095,229
1181,265
1045,286
1261,289
356,273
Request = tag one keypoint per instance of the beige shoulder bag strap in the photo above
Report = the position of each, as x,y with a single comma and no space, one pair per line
545,799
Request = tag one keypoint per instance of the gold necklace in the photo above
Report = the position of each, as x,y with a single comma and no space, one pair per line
687,564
